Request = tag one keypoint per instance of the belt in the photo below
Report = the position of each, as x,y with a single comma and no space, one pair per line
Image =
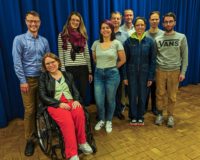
32,77
107,68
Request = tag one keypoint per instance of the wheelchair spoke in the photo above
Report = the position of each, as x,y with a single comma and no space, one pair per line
44,134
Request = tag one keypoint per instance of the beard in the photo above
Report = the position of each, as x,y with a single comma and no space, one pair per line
168,30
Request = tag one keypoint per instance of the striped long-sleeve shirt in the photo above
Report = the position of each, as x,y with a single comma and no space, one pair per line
65,57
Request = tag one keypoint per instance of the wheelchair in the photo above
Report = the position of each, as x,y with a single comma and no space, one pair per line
50,137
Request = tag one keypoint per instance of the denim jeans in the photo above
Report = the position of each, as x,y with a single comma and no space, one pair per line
119,105
106,82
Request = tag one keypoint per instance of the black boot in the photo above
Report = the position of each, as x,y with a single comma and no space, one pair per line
29,149
121,116
154,111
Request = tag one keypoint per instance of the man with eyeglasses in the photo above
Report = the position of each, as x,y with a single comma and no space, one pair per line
153,32
172,62
28,50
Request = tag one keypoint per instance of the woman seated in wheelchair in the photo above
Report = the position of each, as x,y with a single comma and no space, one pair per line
57,91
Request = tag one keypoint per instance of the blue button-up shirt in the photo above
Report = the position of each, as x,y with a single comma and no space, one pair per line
129,31
121,36
27,55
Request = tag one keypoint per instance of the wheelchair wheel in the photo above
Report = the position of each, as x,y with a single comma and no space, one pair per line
44,132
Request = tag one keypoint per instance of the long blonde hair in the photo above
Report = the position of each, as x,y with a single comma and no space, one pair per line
80,29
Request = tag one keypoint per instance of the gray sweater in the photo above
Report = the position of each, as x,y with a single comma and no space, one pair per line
172,52
154,35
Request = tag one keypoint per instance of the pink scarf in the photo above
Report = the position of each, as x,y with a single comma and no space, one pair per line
77,41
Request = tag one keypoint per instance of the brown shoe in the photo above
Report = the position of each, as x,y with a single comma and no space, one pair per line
121,116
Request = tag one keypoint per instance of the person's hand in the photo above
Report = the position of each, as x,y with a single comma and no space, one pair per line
181,77
126,82
75,104
24,87
149,83
90,78
64,106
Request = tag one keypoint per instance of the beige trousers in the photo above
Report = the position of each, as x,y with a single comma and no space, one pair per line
166,88
30,101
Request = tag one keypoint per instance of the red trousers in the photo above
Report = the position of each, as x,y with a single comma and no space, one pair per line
72,125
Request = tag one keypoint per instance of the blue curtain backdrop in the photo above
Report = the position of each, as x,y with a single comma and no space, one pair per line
54,14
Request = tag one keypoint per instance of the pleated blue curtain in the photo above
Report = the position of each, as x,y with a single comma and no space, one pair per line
3,95
54,14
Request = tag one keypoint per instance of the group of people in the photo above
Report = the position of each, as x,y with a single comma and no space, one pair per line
57,88
129,61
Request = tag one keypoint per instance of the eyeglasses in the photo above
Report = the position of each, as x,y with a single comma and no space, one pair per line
75,20
168,22
33,21
49,63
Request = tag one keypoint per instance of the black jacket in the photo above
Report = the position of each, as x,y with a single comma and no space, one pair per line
47,89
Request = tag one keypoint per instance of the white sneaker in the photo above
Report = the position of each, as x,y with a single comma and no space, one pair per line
99,125
108,126
85,148
74,158
170,122
159,120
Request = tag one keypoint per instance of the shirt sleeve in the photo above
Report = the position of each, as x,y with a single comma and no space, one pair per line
94,45
124,67
184,55
17,52
152,59
119,46
87,56
61,53
47,48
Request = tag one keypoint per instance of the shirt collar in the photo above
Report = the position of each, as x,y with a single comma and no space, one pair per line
29,35
119,32
165,33
127,27
134,35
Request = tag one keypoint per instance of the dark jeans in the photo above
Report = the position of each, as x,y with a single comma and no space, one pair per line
80,74
137,93
152,91
119,105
